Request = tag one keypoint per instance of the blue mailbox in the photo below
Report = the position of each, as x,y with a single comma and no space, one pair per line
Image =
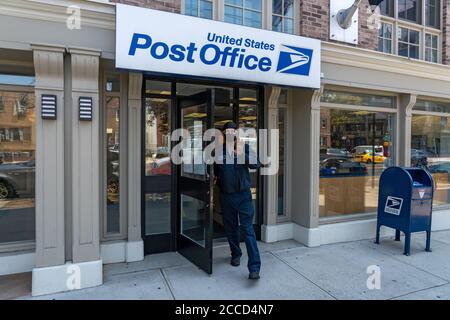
405,203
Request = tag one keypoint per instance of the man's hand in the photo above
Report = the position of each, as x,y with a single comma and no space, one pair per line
239,147
220,139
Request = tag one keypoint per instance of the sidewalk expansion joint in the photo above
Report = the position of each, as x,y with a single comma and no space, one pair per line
301,275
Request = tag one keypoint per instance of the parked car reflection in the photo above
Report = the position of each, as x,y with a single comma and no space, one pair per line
158,163
419,158
17,179
369,157
341,166
440,167
326,153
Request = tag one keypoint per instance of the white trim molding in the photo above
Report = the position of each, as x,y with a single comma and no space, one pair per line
67,277
122,251
340,231
113,251
17,262
134,251
278,232
374,60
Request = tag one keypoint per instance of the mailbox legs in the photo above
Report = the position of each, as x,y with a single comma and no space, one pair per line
428,246
407,243
377,239
397,235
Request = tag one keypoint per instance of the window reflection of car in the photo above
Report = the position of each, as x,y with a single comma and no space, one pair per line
368,157
440,167
161,166
419,158
379,150
17,179
341,166
326,153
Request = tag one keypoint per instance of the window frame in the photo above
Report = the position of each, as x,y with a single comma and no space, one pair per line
421,27
431,48
267,14
243,8
214,9
437,15
384,39
282,16
287,107
436,114
395,137
123,147
419,45
28,244
419,12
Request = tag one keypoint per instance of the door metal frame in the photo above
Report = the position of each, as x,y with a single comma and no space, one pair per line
201,256
169,241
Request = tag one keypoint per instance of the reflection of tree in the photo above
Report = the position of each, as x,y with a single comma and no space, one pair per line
352,128
158,110
344,117
431,134
23,100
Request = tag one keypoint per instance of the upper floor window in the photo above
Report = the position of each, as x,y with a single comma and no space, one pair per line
408,43
431,47
411,28
385,38
432,13
283,16
199,8
276,15
387,8
244,12
409,10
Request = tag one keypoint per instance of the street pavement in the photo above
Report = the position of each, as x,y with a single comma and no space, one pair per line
353,270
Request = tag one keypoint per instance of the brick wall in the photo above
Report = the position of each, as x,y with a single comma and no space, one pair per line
446,33
164,5
314,17
368,32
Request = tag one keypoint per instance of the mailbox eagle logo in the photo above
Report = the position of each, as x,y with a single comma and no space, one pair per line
393,205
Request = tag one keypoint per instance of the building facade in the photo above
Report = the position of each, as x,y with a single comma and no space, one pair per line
85,171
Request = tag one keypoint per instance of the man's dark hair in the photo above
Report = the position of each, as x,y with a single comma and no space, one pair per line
230,125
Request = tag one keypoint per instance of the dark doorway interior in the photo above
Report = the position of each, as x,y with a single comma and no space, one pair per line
161,221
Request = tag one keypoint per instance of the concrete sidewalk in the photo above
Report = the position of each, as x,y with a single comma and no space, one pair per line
290,271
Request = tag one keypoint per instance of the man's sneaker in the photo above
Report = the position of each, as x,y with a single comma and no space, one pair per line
254,276
235,262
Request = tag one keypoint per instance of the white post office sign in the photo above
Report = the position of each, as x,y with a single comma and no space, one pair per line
157,41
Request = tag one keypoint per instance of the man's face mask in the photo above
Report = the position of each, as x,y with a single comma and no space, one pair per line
231,132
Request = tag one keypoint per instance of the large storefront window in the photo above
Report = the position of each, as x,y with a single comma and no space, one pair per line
17,161
356,147
430,146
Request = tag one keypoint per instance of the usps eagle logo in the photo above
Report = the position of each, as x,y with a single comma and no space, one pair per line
294,60
393,205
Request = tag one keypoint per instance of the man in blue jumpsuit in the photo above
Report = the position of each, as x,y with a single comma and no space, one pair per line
233,179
